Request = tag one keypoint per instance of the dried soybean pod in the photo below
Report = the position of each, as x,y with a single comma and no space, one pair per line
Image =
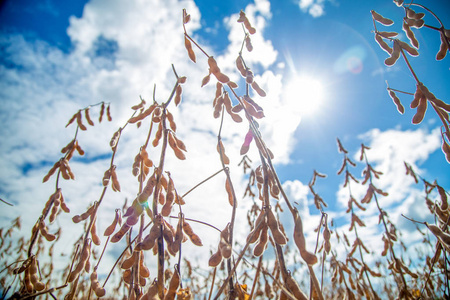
173,285
394,55
178,93
248,43
195,239
254,234
327,237
102,111
110,229
229,192
443,195
215,259
400,107
222,77
278,236
88,117
263,240
383,44
80,122
206,79
294,288
410,34
51,171
115,182
443,236
299,240
240,66
421,109
412,51
119,234
94,235
188,45
443,48
257,89
158,135
150,240
213,67
381,19
106,177
130,261
108,113
172,124
178,236
224,245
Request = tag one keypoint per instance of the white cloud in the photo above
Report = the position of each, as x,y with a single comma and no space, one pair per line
314,7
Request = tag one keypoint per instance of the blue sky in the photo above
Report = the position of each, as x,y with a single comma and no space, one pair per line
57,57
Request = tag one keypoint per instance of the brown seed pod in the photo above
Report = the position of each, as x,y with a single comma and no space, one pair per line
411,14
379,18
51,171
327,237
221,150
213,67
108,113
257,89
72,119
158,135
400,107
84,257
240,66
255,233
115,182
441,235
224,246
178,93
443,48
222,77
178,236
102,111
248,43
206,79
412,51
229,192
173,286
80,122
215,259
110,229
249,76
299,240
88,117
119,234
395,55
278,236
94,236
195,239
115,139
172,124
262,242
143,270
188,45
130,261
443,195
414,23
421,110
410,35
294,288
44,231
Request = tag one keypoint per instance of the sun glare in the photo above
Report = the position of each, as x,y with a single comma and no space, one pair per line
304,95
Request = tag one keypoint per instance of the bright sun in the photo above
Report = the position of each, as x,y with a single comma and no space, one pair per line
304,95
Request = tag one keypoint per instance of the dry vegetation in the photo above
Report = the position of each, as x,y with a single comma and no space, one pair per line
238,269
